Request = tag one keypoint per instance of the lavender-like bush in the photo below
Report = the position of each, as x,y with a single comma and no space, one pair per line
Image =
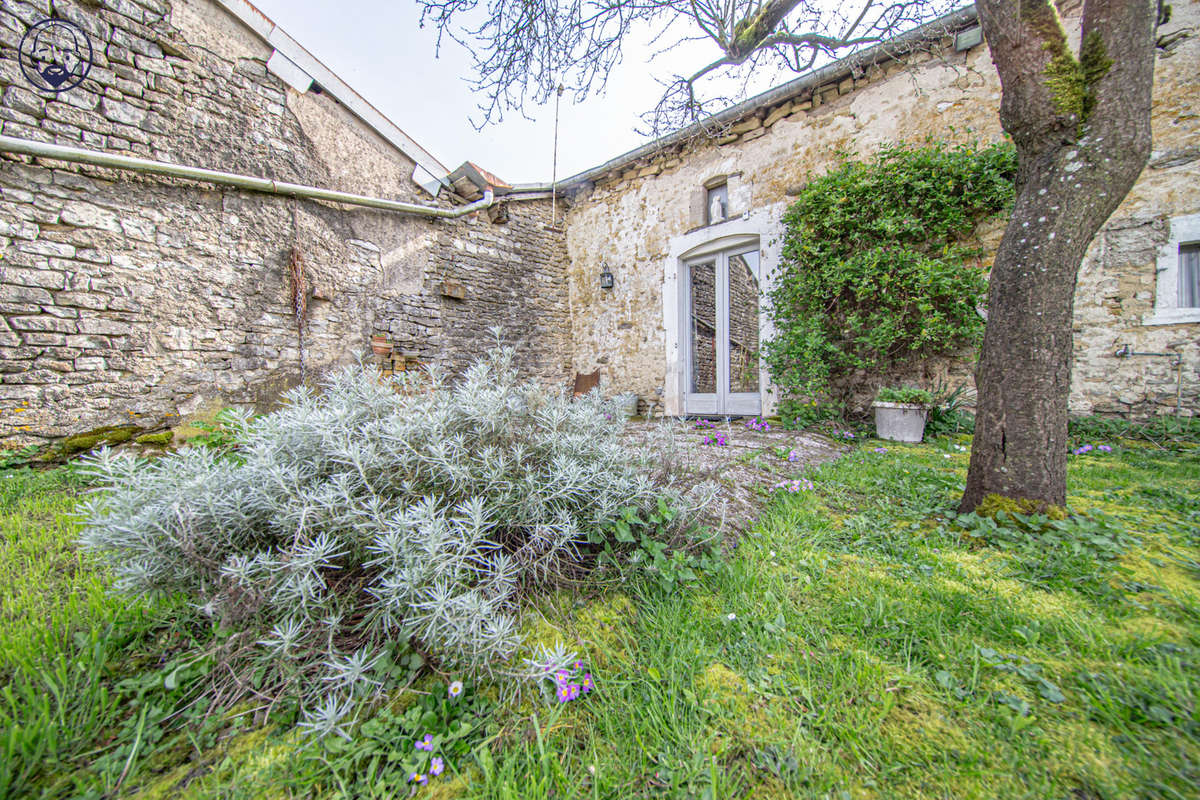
370,513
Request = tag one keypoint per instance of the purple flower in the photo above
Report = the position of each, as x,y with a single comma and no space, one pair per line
578,665
436,766
1103,448
561,677
417,777
879,450
587,684
563,693
572,691
426,743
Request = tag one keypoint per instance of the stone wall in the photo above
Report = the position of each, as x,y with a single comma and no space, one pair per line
126,297
628,218
514,275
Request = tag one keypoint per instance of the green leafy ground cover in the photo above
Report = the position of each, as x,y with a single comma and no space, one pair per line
857,643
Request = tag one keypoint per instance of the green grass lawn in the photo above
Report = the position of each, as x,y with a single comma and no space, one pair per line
64,639
853,645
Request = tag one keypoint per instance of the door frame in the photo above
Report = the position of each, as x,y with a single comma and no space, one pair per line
764,226
722,402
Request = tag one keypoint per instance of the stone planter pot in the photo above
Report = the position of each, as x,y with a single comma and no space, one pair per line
627,403
900,422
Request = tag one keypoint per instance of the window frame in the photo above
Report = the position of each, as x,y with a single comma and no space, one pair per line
1184,233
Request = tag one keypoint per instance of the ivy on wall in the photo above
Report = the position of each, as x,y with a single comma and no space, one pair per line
875,271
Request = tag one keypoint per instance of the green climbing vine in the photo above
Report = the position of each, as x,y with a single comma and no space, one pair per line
874,269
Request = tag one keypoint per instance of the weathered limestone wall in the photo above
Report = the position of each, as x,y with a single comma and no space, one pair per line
515,278
630,216
135,297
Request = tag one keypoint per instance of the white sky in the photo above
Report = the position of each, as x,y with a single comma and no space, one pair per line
377,47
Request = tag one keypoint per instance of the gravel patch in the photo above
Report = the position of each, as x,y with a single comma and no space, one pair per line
745,468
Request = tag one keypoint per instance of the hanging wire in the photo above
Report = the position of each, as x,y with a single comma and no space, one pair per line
554,163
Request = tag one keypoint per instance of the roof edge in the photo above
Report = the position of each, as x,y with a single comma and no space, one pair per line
888,50
275,37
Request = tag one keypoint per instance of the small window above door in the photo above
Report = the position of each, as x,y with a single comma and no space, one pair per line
717,203
716,200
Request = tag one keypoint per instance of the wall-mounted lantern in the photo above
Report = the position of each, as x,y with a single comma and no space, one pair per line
606,278
965,40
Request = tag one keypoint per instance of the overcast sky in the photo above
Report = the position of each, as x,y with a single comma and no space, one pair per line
377,47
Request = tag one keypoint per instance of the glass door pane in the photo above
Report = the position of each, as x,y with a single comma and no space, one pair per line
743,323
702,323
1189,276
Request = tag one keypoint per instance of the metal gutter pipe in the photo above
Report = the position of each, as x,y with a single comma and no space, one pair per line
78,155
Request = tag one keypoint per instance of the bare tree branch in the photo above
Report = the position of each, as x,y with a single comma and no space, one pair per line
523,50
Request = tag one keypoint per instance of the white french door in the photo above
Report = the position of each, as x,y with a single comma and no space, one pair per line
721,334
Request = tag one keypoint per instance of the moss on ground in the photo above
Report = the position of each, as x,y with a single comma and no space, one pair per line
992,504
718,682
162,438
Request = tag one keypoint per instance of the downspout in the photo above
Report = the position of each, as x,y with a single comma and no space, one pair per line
78,155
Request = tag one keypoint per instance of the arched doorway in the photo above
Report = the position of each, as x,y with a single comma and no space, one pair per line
721,336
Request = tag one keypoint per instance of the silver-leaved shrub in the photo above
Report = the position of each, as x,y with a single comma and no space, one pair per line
371,513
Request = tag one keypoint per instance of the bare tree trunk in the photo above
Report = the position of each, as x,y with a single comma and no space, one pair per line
1081,126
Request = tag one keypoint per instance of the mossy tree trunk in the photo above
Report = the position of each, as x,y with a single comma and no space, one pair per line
1081,126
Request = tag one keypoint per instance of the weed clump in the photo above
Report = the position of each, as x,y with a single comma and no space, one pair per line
369,515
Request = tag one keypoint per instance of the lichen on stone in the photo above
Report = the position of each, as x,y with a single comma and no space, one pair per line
112,434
